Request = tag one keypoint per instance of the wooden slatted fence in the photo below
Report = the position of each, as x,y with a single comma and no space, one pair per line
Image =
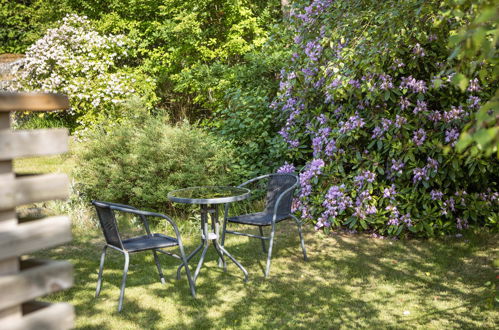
22,281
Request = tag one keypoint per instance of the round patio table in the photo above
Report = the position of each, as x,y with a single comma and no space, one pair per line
209,197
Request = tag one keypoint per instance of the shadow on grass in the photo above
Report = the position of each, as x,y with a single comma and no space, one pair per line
350,281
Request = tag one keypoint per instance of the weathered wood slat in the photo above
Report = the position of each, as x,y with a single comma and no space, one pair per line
8,221
32,189
44,317
37,278
32,101
34,235
25,143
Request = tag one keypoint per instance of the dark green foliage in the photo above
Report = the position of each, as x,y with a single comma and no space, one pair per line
476,49
139,165
241,108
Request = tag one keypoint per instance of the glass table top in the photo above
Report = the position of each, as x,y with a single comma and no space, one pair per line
209,195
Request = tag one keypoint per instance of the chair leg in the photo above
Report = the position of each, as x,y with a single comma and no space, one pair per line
302,242
101,268
123,281
156,260
186,265
189,278
263,241
269,256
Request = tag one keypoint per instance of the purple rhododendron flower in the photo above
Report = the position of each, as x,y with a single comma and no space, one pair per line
420,173
435,116
286,168
406,219
400,121
473,102
419,137
474,85
432,163
404,103
377,132
420,106
386,81
397,166
352,123
454,114
390,192
451,136
414,85
436,195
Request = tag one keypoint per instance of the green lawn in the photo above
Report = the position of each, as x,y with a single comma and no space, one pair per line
351,281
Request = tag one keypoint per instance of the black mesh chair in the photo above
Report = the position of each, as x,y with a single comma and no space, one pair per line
279,196
153,242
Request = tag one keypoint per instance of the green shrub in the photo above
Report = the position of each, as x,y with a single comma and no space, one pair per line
239,97
139,166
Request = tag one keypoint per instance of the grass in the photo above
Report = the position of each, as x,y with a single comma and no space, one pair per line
351,281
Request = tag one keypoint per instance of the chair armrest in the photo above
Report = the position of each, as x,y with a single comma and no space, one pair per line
145,214
254,179
115,204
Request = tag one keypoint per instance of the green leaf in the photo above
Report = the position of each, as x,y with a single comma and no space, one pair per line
461,81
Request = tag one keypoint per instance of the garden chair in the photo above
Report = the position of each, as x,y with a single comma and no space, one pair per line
153,242
279,196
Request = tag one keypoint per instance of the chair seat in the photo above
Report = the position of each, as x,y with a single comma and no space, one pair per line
145,242
257,219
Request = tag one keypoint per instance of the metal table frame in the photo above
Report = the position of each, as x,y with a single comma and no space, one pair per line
210,206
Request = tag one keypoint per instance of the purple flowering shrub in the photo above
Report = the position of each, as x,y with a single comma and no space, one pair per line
370,112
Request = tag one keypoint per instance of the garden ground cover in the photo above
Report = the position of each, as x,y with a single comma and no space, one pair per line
351,281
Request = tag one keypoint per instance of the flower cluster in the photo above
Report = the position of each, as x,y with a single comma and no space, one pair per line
335,202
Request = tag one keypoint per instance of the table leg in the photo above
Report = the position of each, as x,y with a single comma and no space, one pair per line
204,242
221,250
205,238
216,229
179,269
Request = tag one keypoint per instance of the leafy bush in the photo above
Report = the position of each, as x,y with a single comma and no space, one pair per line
370,110
140,163
476,51
76,60
14,24
239,96
173,39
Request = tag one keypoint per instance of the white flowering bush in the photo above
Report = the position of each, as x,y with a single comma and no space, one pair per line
76,60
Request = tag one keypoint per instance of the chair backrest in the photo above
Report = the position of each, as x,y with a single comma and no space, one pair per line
108,224
277,184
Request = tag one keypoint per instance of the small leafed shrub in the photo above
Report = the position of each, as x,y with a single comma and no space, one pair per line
139,166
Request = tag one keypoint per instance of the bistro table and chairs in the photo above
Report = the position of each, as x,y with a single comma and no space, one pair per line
278,191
